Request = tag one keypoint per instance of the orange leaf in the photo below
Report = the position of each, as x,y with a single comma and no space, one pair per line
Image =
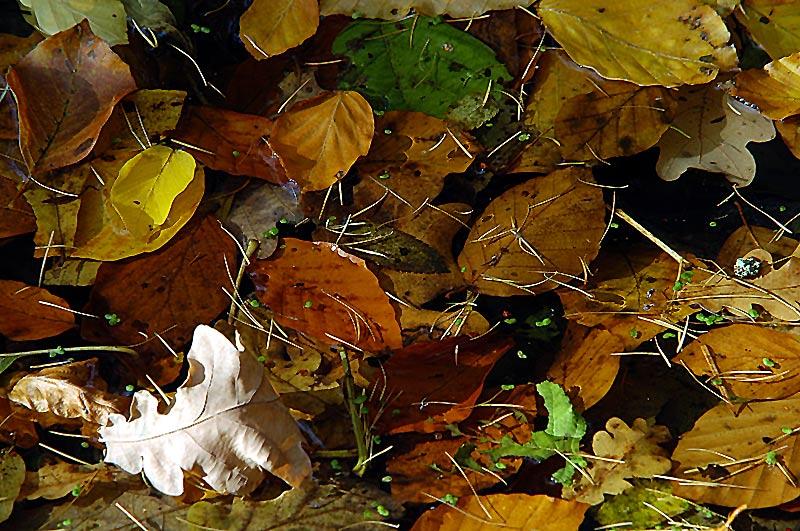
16,215
66,89
318,289
24,318
321,138
270,27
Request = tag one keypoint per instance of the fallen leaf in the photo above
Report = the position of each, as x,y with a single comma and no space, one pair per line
711,131
270,27
547,228
166,292
419,324
752,362
730,451
215,423
775,89
16,215
17,429
236,143
440,380
71,391
72,273
516,511
12,474
514,36
597,34
749,238
632,452
66,89
54,481
636,503
24,318
774,24
397,9
106,18
789,129
322,291
585,361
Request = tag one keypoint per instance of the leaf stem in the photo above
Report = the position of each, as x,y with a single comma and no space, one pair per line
333,454
252,245
90,348
355,418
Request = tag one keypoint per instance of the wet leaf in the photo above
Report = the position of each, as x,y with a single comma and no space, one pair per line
54,481
322,291
106,17
24,318
16,215
270,27
597,34
66,89
433,73
320,138
774,24
748,238
775,89
12,474
546,228
711,131
214,423
151,113
72,273
396,9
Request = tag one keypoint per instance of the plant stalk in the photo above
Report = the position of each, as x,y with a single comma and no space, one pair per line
355,417
91,348
252,245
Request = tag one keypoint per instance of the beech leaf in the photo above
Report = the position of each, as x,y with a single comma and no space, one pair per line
774,24
215,423
24,318
106,17
270,27
12,475
397,9
775,89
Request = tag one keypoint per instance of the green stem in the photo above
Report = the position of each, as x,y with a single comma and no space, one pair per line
252,245
355,418
334,454
92,348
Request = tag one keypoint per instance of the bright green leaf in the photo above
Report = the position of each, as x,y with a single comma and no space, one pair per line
562,420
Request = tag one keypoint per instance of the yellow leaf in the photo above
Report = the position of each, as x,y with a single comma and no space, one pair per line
397,9
148,185
625,40
270,27
775,89
774,24
106,17
321,138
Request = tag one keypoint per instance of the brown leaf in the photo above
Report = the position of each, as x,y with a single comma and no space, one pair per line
729,448
239,144
71,391
546,228
270,27
17,428
749,238
585,361
16,215
166,292
736,355
515,511
420,324
215,423
66,89
775,89
445,391
318,289
321,138
55,481
636,446
514,36
790,133
24,318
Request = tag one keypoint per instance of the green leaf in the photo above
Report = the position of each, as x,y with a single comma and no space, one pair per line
562,420
12,474
422,64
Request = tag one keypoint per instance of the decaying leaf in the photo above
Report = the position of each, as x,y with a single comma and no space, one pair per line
774,24
23,317
16,216
711,131
632,452
54,481
318,289
12,474
749,238
536,235
396,9
215,423
271,27
66,89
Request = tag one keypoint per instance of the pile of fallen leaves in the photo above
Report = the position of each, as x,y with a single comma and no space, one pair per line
301,264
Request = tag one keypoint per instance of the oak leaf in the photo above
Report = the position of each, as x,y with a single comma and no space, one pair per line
215,423
271,27
597,34
711,131
632,452
397,9
23,317
545,229
66,89
321,138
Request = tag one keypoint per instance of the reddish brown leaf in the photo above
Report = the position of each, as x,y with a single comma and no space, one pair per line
166,292
16,215
66,89
440,381
16,429
318,289
239,143
24,318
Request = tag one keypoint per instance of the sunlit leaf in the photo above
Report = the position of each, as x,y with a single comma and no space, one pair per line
775,89
774,24
271,27
106,17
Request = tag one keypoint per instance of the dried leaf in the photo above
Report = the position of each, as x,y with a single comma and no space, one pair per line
597,34
730,449
546,228
16,215
636,446
12,474
24,318
215,423
151,113
711,131
166,292
749,238
318,289
66,89
321,138
270,27
17,429
55,481
774,24
106,17
775,89
72,273
397,9
517,511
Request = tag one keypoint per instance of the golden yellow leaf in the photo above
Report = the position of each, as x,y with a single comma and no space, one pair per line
775,89
625,40
542,230
270,27
321,138
396,9
774,24
790,133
